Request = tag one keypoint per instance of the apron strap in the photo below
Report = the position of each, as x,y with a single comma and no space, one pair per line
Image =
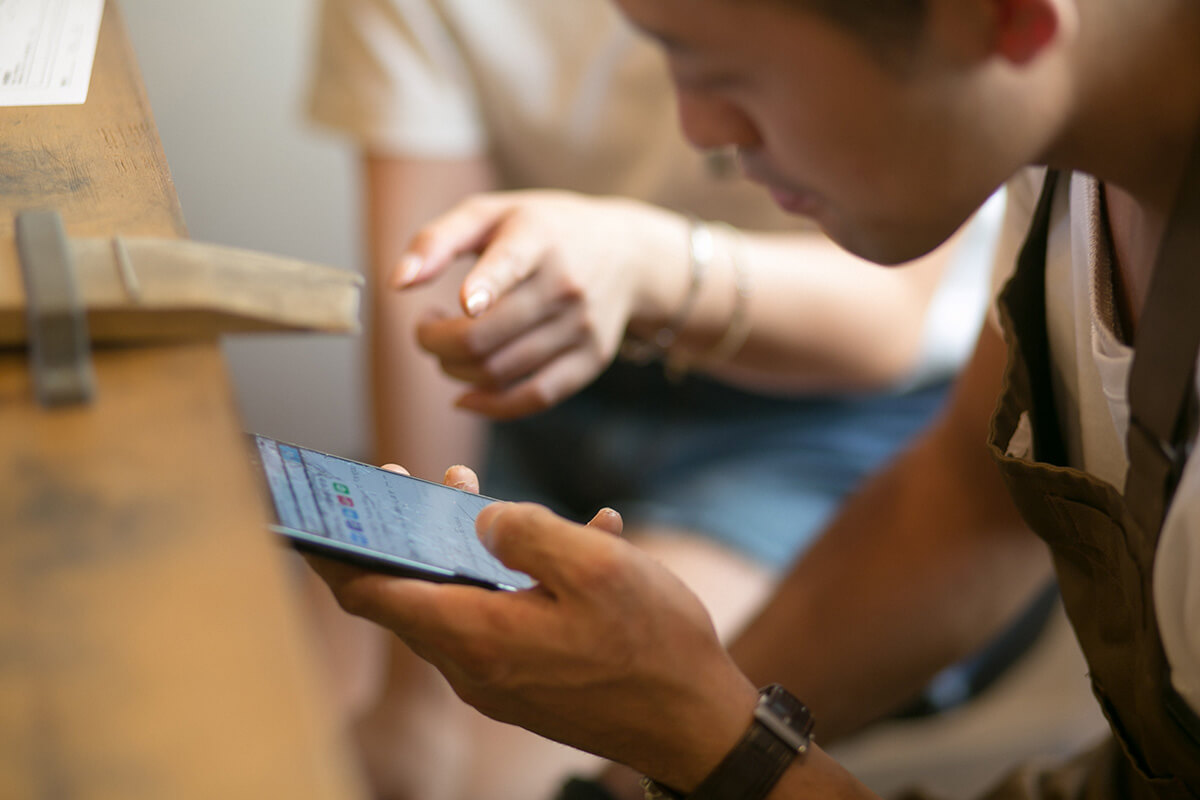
1029,282
1161,394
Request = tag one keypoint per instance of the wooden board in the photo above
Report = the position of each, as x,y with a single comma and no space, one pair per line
150,645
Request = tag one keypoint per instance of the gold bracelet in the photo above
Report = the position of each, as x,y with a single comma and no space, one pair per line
700,255
738,328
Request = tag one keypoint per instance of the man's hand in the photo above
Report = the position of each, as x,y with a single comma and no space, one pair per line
609,652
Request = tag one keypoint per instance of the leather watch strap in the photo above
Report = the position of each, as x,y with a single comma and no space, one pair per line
750,770
781,730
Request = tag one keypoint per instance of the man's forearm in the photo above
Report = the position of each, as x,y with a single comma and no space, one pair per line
922,567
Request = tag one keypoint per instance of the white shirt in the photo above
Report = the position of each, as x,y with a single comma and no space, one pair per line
1090,371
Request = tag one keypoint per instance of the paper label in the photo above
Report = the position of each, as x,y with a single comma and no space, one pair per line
46,50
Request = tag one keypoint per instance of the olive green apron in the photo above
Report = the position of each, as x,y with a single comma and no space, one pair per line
1103,542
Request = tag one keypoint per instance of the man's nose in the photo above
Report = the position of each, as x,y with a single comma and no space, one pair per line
710,123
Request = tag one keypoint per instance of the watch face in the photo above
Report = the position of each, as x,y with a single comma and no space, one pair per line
785,716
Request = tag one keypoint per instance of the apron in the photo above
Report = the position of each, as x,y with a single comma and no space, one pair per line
1103,542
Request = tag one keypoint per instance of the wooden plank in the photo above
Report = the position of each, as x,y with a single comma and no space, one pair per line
150,645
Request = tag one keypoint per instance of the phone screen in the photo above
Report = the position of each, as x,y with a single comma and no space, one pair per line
336,506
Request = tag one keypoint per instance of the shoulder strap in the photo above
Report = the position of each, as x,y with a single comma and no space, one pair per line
1024,299
1165,349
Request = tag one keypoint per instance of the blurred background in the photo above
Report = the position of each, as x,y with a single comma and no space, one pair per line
226,81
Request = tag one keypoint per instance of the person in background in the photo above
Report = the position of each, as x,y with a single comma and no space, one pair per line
644,246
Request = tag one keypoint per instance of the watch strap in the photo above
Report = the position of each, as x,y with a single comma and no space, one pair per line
781,730
750,769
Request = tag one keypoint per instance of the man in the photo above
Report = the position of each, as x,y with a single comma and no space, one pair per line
888,124
725,484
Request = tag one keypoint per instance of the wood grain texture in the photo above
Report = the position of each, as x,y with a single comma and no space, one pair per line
175,289
150,643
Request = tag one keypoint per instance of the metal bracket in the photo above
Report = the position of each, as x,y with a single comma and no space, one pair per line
59,348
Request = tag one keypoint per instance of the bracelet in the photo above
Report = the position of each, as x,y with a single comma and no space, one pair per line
738,328
700,255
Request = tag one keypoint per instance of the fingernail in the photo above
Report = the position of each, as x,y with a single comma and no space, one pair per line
478,302
460,484
407,270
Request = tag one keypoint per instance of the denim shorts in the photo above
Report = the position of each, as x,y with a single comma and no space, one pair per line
760,474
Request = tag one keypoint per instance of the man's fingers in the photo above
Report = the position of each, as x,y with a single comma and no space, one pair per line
608,520
461,477
395,468
555,552
335,573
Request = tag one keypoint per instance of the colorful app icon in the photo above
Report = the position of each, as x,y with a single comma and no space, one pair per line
346,501
341,488
350,513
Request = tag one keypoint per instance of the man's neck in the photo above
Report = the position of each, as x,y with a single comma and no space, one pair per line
1138,113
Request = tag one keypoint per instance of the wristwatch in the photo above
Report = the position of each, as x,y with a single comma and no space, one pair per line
780,731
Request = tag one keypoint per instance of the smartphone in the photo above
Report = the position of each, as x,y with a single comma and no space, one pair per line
380,520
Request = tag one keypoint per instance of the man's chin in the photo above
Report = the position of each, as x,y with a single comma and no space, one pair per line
886,245
879,248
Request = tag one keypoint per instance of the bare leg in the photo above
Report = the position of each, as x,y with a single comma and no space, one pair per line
415,743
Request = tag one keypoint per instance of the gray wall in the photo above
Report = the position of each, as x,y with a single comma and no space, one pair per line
226,81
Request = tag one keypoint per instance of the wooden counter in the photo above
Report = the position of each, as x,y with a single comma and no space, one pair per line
150,646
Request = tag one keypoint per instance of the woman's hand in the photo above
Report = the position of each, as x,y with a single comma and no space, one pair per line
609,652
546,305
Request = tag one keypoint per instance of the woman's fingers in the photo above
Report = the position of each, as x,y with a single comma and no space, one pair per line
524,357
510,249
550,385
457,339
514,252
464,229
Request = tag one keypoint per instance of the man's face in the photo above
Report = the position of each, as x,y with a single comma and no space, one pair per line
877,152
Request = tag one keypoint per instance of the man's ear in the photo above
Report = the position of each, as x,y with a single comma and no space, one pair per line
1024,28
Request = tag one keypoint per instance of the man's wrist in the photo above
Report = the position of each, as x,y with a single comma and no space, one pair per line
780,731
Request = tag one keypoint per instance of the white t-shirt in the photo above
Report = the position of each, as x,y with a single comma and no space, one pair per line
1090,371
568,96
